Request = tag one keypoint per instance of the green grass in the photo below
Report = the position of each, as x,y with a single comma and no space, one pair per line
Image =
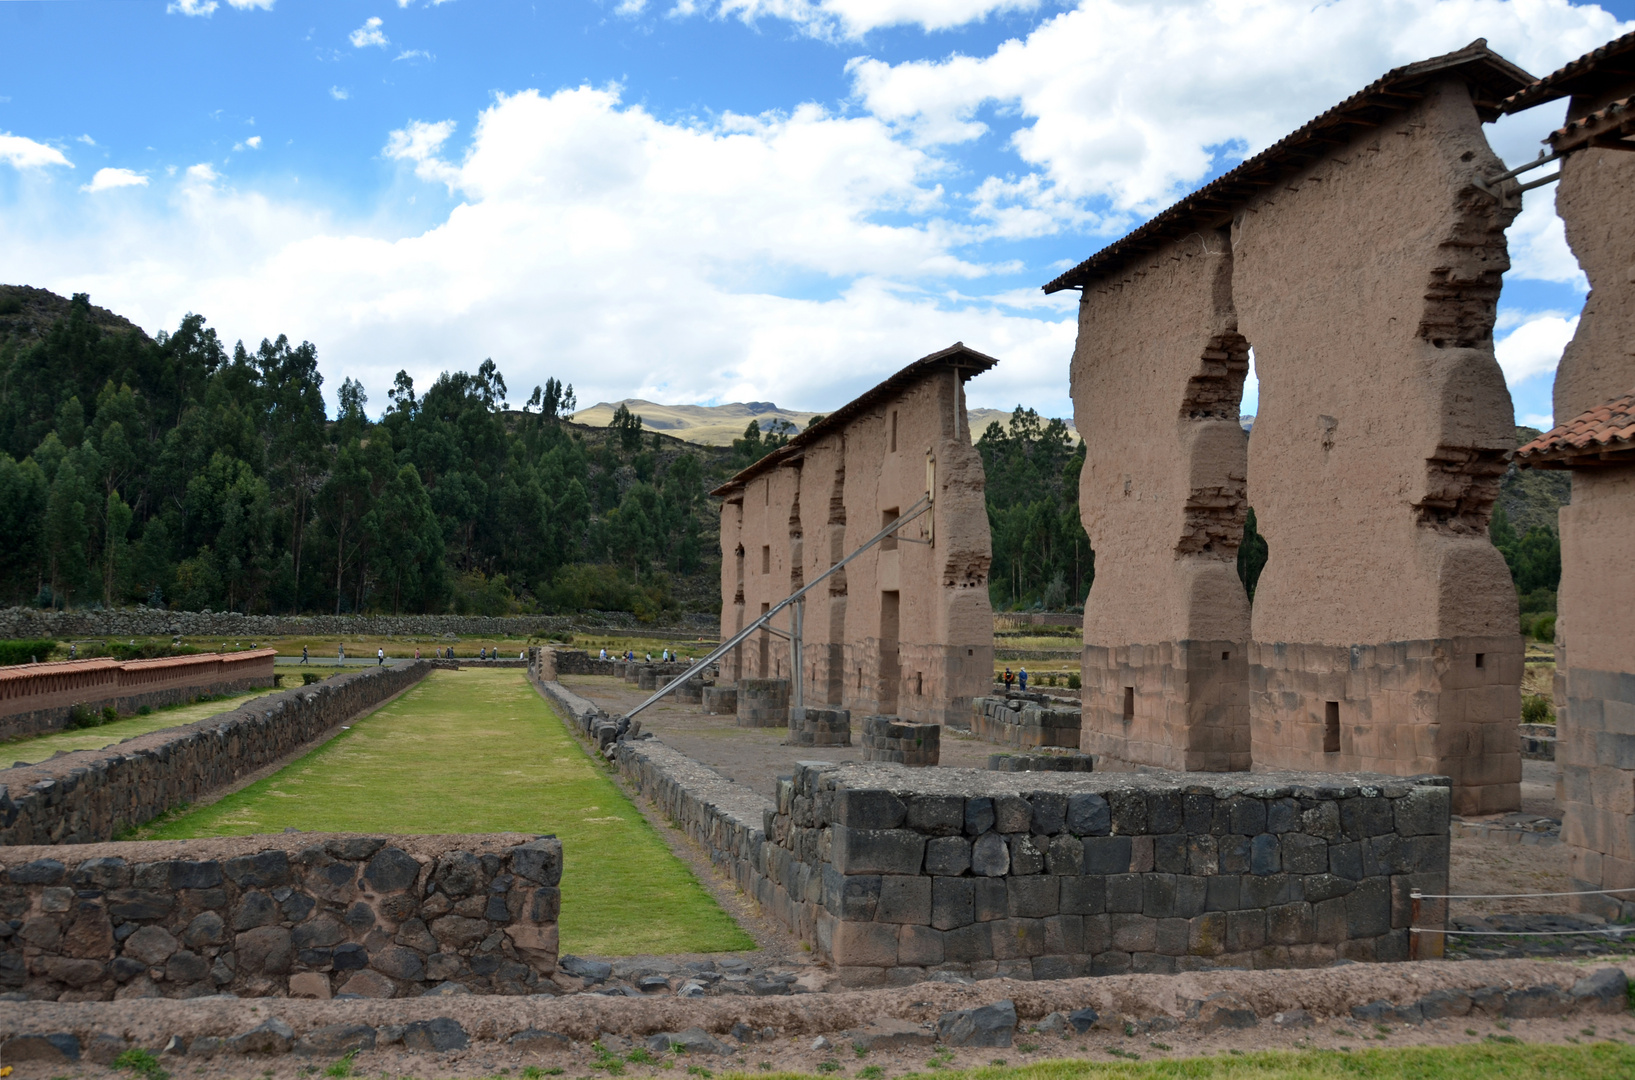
481,752
1603,1061
39,747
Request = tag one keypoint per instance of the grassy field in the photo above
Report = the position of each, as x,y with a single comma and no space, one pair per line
39,747
480,751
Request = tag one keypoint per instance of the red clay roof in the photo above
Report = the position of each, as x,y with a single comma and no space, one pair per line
1604,434
1593,73
1489,75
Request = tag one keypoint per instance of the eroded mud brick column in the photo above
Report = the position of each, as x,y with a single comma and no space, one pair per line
1595,438
1157,379
1384,627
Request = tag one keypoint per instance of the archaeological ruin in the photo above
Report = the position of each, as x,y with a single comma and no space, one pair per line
907,629
1595,439
1360,259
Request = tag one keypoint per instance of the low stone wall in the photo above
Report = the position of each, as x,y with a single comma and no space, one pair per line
1041,763
157,622
36,698
886,738
813,726
763,702
91,795
580,662
720,700
1025,720
307,915
891,872
1538,742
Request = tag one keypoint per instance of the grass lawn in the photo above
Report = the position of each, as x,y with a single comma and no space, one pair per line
477,752
39,747
1484,1061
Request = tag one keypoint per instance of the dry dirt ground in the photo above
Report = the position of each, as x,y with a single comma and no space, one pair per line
1136,1000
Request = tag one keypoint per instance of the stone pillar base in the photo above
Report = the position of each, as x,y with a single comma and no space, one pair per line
720,700
1180,705
820,727
763,702
887,738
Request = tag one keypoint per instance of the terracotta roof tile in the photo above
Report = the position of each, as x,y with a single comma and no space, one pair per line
1595,70
1608,428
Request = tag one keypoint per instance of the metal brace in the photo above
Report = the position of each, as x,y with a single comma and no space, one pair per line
1490,185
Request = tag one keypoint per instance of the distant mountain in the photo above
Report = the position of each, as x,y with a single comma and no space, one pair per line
26,313
718,425
1532,497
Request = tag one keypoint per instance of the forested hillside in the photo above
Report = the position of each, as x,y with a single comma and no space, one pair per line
179,471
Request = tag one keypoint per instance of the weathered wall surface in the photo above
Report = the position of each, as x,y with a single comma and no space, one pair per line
1037,875
1025,721
91,795
1595,636
1157,379
40,697
309,915
232,626
907,629
1366,286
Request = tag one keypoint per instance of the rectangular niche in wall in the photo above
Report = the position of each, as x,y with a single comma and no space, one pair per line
1331,727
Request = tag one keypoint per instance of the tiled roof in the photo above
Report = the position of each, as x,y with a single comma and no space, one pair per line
1610,127
1602,435
1489,75
1591,73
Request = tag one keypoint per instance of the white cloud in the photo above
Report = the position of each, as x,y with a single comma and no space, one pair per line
86,139
339,93
1534,347
414,54
850,18
24,153
245,5
368,34
202,174
1136,101
192,7
253,142
1538,243
108,179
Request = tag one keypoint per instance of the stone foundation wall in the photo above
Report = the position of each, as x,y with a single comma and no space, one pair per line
1179,705
813,726
1041,763
156,622
303,916
901,742
720,700
891,872
763,702
1025,720
1448,706
1596,749
91,795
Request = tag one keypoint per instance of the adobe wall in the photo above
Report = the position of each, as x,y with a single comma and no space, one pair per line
1366,286
1157,379
307,915
37,698
884,868
794,521
233,626
90,796
1595,636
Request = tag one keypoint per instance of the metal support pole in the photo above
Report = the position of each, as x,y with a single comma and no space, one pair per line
1413,920
797,615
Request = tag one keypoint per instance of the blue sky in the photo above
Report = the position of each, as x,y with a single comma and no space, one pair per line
686,200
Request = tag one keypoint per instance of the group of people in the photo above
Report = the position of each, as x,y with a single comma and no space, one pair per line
630,656
1015,676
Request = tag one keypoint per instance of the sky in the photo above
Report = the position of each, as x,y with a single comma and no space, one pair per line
689,201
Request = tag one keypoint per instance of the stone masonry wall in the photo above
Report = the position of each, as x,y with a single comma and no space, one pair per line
305,915
91,795
1025,721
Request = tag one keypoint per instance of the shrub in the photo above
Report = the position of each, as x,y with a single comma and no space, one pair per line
83,716
1544,628
26,651
1536,710
308,678
1073,682
109,714
144,710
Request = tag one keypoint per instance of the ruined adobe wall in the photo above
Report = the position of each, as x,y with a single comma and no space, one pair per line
41,697
1157,379
767,526
92,795
1366,286
1041,875
305,915
1595,637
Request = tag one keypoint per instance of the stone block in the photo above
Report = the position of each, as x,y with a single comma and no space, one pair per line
864,944
988,899
904,899
876,851
1088,814
1134,933
1368,908
979,815
1125,893
920,946
951,902
986,1026
868,809
1025,856
1107,855
1085,895
950,855
1034,897
990,855
937,815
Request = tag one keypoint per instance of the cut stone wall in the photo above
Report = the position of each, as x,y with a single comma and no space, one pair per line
92,795
36,698
812,726
307,915
889,739
1025,720
232,626
763,702
892,872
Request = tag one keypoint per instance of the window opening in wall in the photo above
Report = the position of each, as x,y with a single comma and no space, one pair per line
767,491
1129,703
919,683
894,431
970,652
886,518
766,558
1481,659
1331,727
1226,655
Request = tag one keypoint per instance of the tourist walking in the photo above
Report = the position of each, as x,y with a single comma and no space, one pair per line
304,657
380,657
340,653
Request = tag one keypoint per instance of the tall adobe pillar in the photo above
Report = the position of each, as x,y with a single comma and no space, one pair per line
1595,438
1157,381
1384,626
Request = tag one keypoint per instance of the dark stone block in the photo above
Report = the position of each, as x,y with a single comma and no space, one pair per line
392,870
184,874
1158,895
1535,1002
1319,887
1368,908
1291,924
186,967
1111,962
1365,816
1034,897
495,911
1088,815
1424,811
350,957
1169,853
936,815
1345,860
854,897
1165,813
1382,856
38,872
1055,967
1107,855
1282,816
1065,855
1085,895
297,907
1172,937
1197,813
988,901
868,809
1083,1019
1233,851
979,816
355,848
1026,858
1265,855
539,861
1384,1012
139,905
1129,811
968,944
104,873
1221,893
1049,813
1605,991
336,1040
951,902
1445,1004
1225,1011
1124,892
949,855
1191,893
546,906
989,1025
1203,856
904,898
256,909
990,855
1245,930
1152,963
1424,854
1247,817
1304,854
1263,892
876,851
436,1036
1012,814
